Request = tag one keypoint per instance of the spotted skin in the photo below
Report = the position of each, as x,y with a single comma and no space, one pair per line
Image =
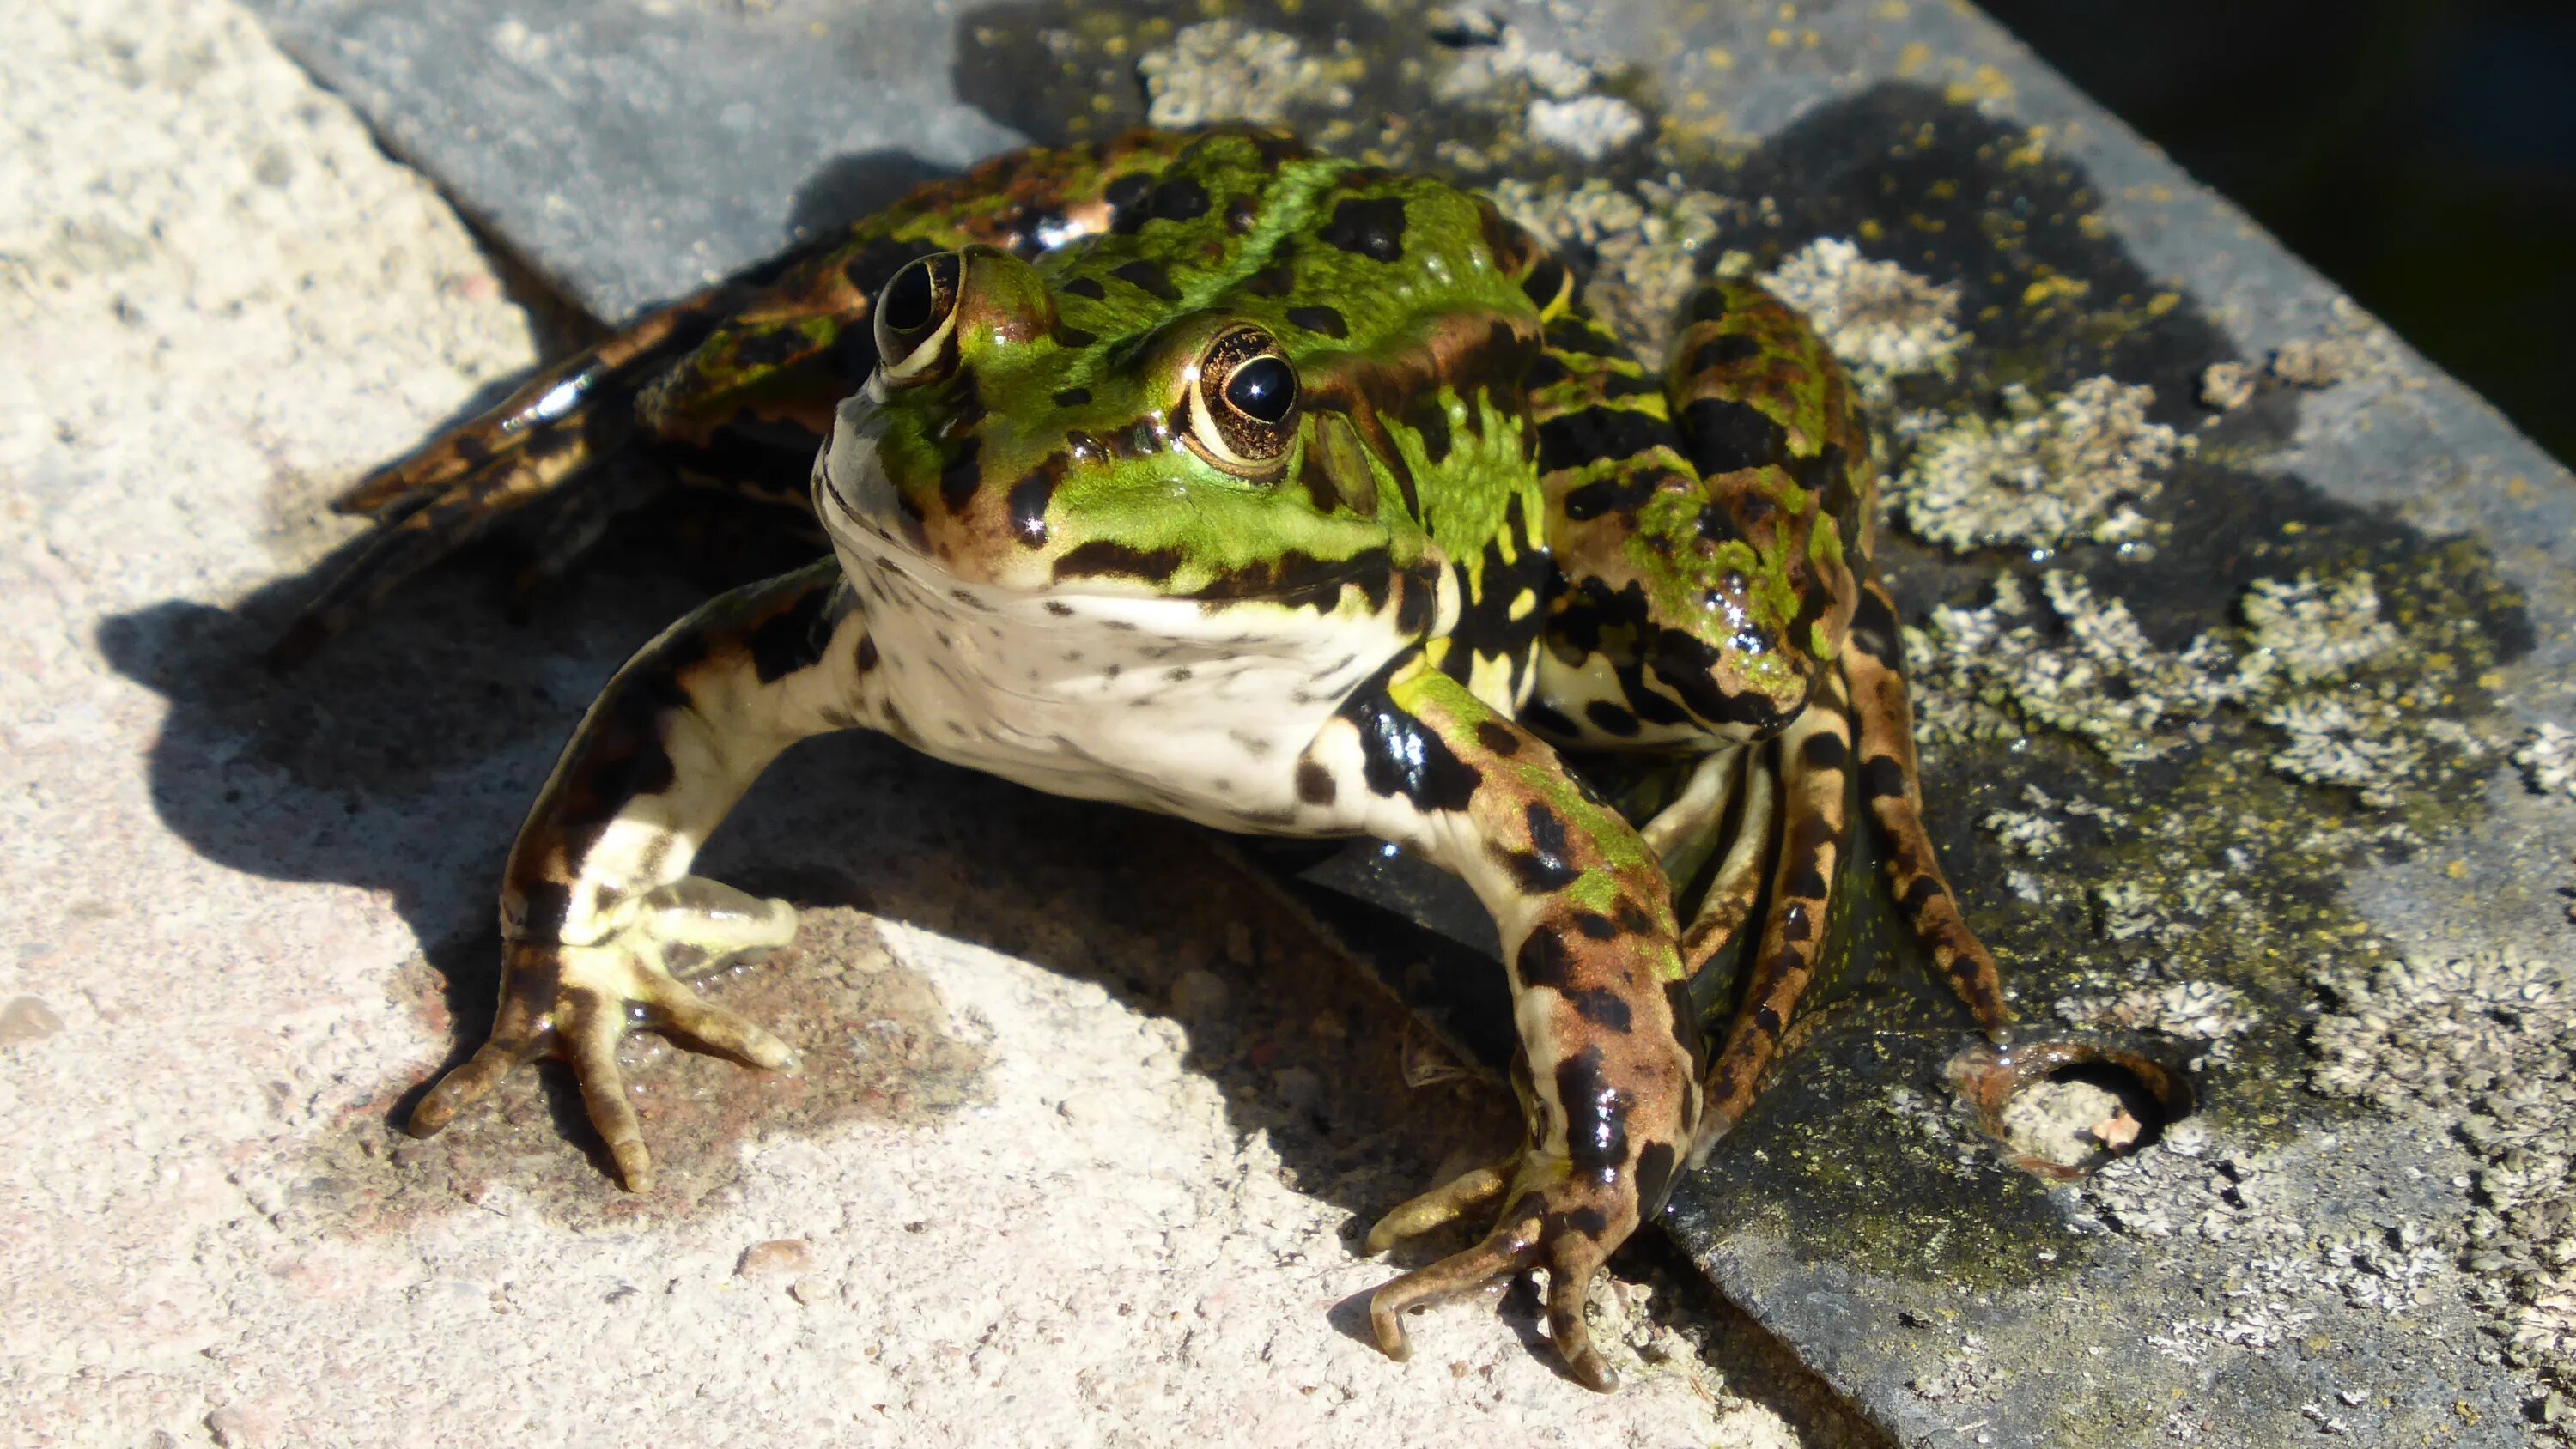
1208,475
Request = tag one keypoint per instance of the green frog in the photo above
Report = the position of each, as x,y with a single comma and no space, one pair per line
1204,473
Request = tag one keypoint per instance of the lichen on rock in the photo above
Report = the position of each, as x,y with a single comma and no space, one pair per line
2483,1041
1225,70
2547,758
2051,471
1643,247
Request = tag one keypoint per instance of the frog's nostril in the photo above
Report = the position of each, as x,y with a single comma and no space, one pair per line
2065,1109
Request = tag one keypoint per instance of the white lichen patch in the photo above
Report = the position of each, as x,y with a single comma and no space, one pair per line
2314,661
1495,54
2483,1041
2226,386
1645,245
2085,668
1224,70
2050,471
2352,740
1881,320
2547,758
1589,126
2310,631
2029,833
2187,1010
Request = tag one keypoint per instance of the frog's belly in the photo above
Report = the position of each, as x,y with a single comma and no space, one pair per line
1164,703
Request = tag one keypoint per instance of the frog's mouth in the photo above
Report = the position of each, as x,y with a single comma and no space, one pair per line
852,492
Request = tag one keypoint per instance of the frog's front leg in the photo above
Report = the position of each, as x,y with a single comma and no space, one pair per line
1608,1069
597,905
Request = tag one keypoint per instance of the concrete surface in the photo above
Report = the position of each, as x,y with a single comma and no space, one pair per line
1092,1127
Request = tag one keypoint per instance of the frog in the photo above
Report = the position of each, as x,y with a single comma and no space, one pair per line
1209,473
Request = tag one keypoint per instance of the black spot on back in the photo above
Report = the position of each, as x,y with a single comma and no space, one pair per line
1578,437
1732,348
1824,750
1149,278
1072,397
1430,419
1179,199
1723,436
1127,197
1372,227
1029,499
1325,320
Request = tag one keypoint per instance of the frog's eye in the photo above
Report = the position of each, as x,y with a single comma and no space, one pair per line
1243,403
914,317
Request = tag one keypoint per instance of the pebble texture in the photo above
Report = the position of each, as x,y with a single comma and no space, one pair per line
1074,1165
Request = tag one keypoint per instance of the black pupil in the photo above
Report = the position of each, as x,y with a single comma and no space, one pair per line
906,304
1262,389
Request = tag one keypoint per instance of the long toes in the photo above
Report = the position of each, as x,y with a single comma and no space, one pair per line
1458,1273
707,925
678,1006
466,1085
1441,1205
1566,1289
590,1039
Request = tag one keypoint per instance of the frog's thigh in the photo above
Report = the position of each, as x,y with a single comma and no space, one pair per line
1815,768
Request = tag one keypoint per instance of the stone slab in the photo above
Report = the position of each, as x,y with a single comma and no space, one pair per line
2223,861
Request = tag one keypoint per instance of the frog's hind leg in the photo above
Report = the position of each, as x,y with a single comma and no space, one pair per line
432,501
1890,788
1814,768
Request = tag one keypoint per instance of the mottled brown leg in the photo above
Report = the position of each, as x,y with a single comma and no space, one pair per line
599,915
1892,791
1815,762
1610,1051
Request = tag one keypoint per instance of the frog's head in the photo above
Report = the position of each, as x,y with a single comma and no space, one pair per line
1224,401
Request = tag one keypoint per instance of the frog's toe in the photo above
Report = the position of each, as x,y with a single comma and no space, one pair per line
591,1023
695,926
578,1002
1564,1226
1440,1206
465,1086
1567,1286
674,1005
1509,1248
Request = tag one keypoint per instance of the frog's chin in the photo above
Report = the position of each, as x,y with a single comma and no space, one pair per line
852,494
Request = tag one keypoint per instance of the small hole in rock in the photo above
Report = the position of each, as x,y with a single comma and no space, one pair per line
2066,1109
